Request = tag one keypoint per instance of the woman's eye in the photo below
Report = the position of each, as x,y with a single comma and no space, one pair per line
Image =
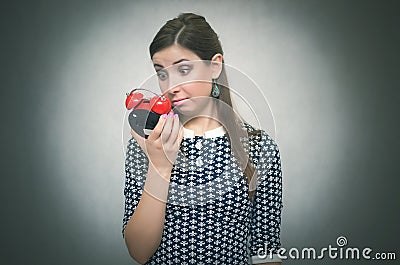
185,69
162,75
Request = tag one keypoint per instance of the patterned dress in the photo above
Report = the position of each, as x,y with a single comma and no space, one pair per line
209,218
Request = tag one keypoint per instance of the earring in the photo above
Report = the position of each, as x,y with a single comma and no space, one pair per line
215,89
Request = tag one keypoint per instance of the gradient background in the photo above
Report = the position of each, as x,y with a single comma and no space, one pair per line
330,70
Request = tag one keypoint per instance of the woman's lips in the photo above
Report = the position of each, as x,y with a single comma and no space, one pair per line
180,101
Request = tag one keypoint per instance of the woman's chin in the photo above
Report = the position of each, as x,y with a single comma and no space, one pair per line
193,107
183,110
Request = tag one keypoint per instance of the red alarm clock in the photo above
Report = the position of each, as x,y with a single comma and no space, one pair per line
145,112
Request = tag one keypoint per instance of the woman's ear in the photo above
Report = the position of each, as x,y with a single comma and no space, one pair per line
216,65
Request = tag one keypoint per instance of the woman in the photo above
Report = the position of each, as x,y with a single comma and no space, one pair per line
189,197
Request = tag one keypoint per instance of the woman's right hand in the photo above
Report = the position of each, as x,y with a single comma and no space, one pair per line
162,145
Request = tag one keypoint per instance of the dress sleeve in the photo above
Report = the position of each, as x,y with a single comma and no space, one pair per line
267,204
136,166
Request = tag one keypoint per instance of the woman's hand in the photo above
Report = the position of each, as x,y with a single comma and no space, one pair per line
162,145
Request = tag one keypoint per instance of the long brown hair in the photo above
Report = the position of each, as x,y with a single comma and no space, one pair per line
194,33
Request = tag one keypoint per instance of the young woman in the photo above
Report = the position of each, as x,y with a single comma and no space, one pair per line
205,187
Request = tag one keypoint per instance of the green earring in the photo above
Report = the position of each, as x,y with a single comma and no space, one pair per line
215,89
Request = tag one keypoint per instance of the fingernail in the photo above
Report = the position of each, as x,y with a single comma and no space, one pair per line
164,116
176,115
170,114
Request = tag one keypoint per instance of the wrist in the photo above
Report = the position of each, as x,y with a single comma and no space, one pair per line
164,172
157,183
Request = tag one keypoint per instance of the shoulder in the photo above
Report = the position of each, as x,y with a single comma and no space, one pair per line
247,126
259,138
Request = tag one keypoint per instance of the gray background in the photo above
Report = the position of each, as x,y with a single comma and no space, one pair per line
328,68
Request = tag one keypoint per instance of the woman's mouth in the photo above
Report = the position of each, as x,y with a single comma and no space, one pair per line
179,101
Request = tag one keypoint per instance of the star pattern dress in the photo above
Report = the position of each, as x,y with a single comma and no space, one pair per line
209,218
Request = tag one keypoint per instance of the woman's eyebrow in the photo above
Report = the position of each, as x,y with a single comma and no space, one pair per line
160,66
181,60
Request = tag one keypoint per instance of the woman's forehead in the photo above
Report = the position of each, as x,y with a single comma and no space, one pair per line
172,55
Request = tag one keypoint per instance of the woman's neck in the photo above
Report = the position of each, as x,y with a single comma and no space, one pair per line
202,121
201,124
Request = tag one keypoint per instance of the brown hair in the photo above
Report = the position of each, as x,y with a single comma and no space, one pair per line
194,33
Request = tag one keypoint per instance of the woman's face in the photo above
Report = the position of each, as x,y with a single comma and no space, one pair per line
184,78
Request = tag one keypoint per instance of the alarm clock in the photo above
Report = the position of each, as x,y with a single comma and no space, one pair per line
145,112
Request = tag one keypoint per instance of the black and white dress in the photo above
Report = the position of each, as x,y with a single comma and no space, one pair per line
209,218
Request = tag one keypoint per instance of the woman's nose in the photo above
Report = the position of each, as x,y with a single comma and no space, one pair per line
174,89
174,80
